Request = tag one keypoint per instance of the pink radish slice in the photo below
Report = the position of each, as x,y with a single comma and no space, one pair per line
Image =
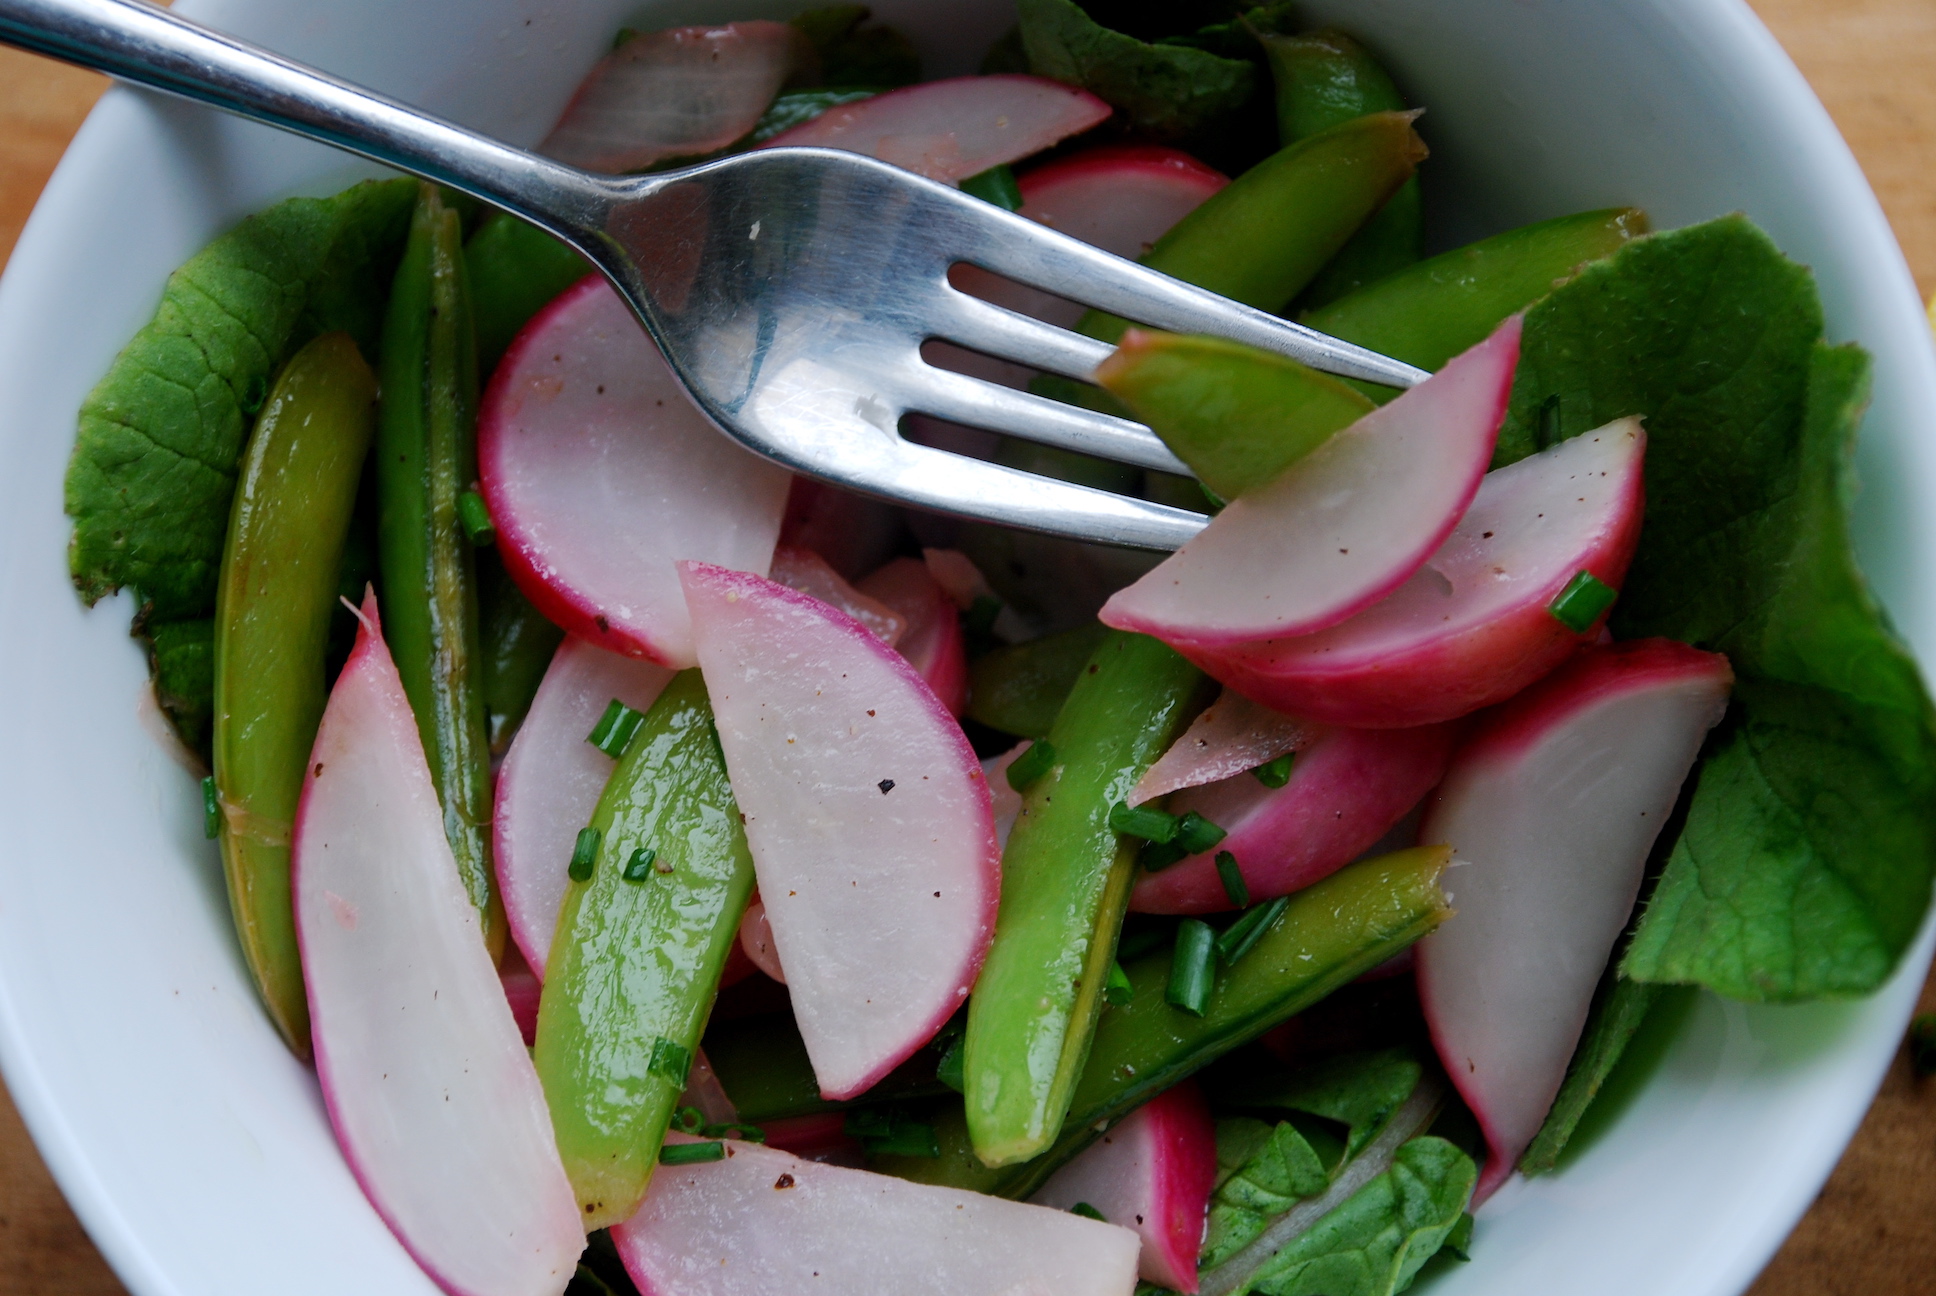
1550,810
1471,628
949,130
1004,801
675,93
756,940
522,990
1343,526
867,815
550,781
820,1137
808,572
704,1092
1231,736
1154,1173
854,533
600,474
435,1102
1346,790
932,642
762,1222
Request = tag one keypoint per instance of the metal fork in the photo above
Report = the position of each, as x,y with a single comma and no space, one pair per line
790,289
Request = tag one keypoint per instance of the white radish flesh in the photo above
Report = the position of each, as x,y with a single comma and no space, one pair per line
1004,801
1551,810
950,130
1472,627
600,474
932,642
1343,526
763,1222
808,572
549,783
1346,790
756,939
1153,1172
867,815
675,93
433,1098
1231,736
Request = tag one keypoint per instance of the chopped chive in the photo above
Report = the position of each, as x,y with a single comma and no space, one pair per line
1193,968
670,1060
734,1130
475,517
1031,765
1232,878
951,1070
689,1120
1117,989
996,185
615,728
1195,834
639,867
691,1153
1275,773
584,854
1087,1211
1143,821
211,809
1158,856
1922,1045
1249,929
1580,604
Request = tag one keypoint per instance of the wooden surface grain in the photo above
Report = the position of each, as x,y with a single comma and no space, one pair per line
1873,1230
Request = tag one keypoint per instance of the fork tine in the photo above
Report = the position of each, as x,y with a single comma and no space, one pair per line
983,326
962,399
1030,253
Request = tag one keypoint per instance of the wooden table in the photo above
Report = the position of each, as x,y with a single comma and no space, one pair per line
1873,1230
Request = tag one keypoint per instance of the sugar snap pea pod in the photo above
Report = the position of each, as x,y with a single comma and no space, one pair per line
1430,312
1324,78
641,944
426,457
515,268
1238,416
1020,688
1065,883
293,501
1330,934
518,643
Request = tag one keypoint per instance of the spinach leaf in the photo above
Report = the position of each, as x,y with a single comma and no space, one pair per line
152,472
1276,1168
181,658
1374,1243
1357,1090
1618,1009
1805,864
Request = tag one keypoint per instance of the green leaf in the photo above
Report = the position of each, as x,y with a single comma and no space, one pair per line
1805,864
1618,1009
853,55
1170,92
181,657
154,466
1357,1090
1375,1242
1274,1169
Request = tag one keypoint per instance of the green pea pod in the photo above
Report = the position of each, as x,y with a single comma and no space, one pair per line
518,643
1432,311
1324,78
426,458
293,501
640,947
1065,883
1019,689
1238,416
515,269
1330,934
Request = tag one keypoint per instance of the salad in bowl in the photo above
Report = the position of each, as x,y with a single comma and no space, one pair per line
685,877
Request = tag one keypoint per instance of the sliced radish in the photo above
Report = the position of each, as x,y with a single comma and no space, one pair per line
522,990
821,1136
1471,628
1346,790
600,474
854,533
1004,801
435,1102
706,1094
1153,1172
808,572
1231,736
756,939
762,1222
1343,526
932,643
949,130
955,572
1551,810
675,93
867,815
550,781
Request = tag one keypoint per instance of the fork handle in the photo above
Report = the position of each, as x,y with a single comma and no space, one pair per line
150,46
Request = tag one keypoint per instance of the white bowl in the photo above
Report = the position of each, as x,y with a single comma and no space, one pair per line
195,1149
